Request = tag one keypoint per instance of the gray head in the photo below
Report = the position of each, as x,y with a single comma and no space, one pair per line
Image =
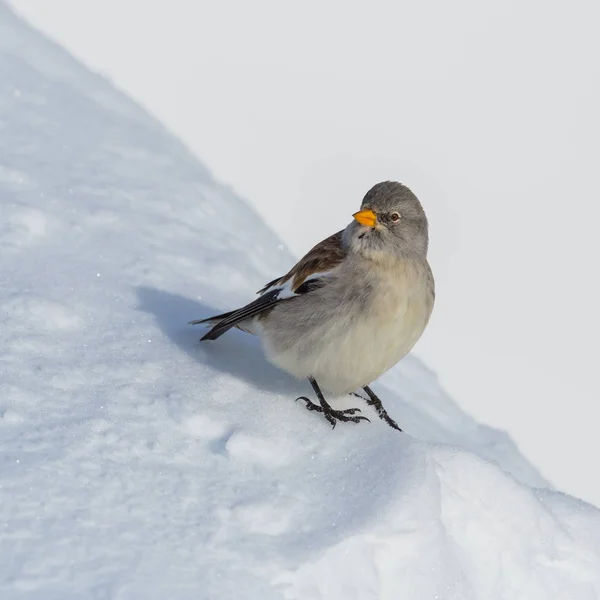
391,223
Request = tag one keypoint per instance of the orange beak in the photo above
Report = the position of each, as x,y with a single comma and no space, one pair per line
366,217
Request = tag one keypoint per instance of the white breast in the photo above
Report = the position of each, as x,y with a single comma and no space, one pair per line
352,350
389,330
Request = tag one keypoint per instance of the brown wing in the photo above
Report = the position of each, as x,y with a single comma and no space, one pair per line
325,256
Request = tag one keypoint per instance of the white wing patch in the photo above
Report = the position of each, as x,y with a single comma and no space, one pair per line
286,289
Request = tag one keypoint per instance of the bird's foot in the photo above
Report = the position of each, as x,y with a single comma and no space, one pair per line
332,415
375,402
385,417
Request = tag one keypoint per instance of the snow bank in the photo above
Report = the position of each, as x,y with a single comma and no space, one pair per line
138,464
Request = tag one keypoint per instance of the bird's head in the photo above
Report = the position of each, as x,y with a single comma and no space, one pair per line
390,223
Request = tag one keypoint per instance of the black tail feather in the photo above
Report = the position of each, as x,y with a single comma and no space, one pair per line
214,319
216,332
224,322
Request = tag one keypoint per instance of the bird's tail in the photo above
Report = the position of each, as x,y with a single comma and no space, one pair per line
213,323
237,318
211,320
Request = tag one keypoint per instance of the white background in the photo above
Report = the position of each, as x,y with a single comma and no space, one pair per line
487,110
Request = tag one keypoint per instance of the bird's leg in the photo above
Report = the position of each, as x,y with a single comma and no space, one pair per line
332,415
375,402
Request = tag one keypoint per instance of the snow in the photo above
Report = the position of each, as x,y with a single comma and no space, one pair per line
493,137
137,463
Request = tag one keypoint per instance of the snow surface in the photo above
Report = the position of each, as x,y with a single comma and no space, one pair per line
285,105
137,463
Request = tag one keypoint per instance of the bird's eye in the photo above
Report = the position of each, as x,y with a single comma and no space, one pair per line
395,216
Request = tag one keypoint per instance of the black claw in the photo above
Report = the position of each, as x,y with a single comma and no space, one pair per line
375,402
356,419
332,415
390,422
310,405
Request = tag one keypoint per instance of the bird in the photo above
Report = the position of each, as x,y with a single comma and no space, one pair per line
351,308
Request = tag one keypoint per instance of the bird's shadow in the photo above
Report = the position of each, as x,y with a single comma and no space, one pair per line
237,353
